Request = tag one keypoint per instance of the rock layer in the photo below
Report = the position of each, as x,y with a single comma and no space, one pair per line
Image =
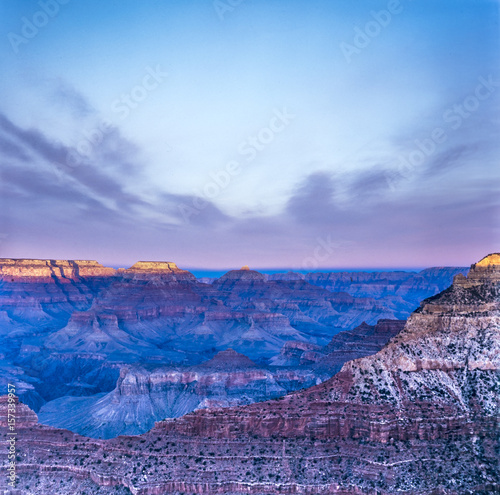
67,327
364,340
32,269
142,397
419,417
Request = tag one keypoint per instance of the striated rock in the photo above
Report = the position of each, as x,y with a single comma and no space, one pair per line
69,328
287,276
149,269
28,269
24,417
142,397
419,417
363,340
242,275
292,353
480,272
97,334
394,288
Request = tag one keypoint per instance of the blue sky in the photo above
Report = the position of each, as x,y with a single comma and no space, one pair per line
270,133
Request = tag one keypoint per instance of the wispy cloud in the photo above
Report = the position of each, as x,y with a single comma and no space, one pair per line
34,167
65,96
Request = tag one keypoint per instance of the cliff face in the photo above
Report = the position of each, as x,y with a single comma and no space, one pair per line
41,293
363,340
444,361
23,415
389,286
147,269
142,397
31,270
419,417
67,327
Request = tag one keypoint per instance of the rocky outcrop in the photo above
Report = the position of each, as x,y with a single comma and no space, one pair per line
142,397
23,416
227,360
150,269
420,417
364,340
42,294
483,271
243,275
27,270
293,352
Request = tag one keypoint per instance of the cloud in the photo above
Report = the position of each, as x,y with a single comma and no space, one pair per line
367,184
93,200
377,214
12,150
90,179
453,157
66,96
313,199
191,211
40,191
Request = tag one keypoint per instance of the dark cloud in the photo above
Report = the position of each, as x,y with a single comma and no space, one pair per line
40,186
453,157
313,200
33,140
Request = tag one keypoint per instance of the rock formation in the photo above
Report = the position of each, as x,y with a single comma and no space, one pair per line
364,340
157,268
23,415
68,328
419,417
30,270
394,288
142,397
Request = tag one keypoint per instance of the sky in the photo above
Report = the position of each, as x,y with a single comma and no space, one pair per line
270,133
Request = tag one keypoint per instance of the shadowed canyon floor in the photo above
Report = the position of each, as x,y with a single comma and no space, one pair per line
418,417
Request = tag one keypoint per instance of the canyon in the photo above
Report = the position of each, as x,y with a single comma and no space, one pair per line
73,334
143,396
420,416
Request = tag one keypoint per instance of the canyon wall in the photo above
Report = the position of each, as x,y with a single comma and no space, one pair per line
418,417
